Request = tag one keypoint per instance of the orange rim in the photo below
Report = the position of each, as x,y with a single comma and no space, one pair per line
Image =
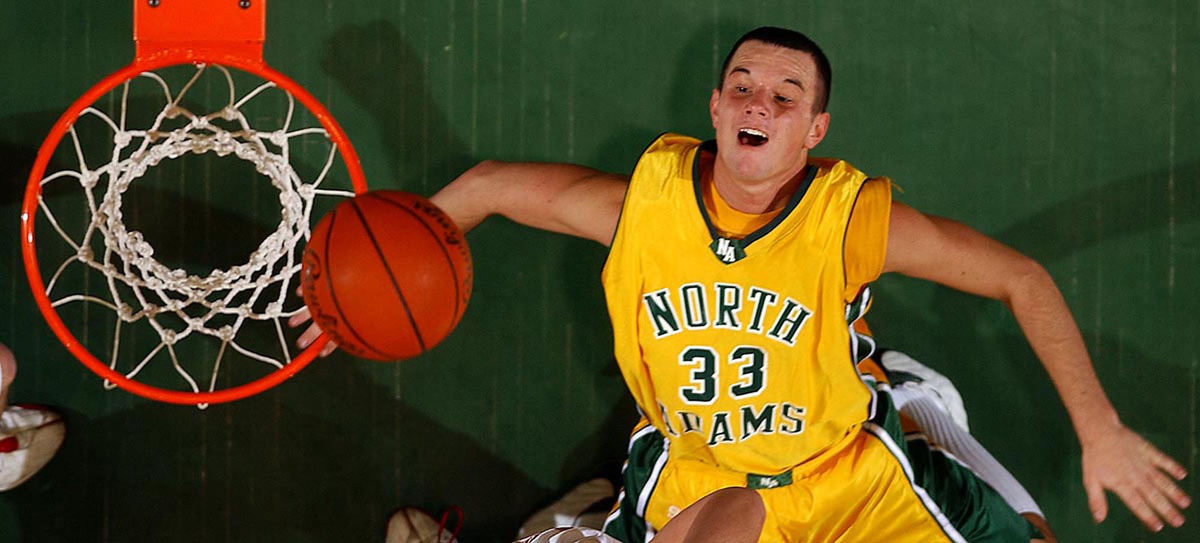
29,209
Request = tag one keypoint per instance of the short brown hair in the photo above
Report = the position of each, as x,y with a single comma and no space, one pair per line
790,39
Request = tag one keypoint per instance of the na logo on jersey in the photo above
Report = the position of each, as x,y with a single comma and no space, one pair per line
759,482
728,250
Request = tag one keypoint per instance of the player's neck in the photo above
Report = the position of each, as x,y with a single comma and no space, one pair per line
755,196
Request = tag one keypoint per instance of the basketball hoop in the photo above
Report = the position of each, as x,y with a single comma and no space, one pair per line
182,46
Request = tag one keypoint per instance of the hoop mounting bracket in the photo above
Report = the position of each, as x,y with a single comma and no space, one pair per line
199,28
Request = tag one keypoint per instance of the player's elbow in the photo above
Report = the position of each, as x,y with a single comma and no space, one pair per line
471,197
479,178
1027,279
485,168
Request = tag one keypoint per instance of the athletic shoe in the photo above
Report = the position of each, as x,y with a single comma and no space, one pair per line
904,372
584,506
29,437
412,525
570,535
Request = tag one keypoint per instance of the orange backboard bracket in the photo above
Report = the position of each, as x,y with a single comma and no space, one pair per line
184,29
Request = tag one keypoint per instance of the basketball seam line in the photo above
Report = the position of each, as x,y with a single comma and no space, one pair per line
445,253
391,275
333,292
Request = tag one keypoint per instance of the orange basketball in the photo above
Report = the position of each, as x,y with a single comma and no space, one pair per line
386,274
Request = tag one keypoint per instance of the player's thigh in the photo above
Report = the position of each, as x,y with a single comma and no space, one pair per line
728,515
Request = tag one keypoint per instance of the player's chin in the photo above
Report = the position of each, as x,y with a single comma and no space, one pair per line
751,164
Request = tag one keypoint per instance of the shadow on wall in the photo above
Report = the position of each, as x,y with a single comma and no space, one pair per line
1126,207
327,457
395,93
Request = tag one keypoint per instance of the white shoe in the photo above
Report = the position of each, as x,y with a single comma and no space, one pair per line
570,535
575,509
905,372
412,525
29,437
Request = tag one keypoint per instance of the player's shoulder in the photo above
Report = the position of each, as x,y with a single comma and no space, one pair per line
673,141
666,166
669,150
836,170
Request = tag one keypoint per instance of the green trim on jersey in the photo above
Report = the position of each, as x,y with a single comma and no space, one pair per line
647,456
810,173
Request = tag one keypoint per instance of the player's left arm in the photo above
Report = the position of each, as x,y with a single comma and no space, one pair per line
1114,457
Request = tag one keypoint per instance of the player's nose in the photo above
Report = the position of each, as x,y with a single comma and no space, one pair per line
757,105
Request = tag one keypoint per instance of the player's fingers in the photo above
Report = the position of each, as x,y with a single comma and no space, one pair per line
1140,507
1096,501
1168,464
310,335
299,318
328,349
1171,490
1160,501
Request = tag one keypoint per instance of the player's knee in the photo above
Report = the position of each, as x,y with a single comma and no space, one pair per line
8,366
740,499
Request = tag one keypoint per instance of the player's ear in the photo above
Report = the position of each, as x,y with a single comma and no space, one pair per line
712,106
817,131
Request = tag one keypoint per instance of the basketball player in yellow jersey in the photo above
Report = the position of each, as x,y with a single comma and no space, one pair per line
709,335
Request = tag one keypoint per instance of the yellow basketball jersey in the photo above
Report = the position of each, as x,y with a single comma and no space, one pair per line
738,350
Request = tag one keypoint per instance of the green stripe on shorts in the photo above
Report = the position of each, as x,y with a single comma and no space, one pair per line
647,454
969,503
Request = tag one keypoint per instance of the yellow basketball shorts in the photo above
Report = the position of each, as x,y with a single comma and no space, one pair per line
866,488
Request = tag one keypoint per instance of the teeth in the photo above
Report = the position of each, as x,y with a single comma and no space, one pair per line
754,132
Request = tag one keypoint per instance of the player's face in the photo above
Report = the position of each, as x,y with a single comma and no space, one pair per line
763,115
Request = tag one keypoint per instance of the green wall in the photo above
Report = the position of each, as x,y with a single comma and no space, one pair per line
1066,129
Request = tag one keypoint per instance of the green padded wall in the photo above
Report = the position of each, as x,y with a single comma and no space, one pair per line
1067,129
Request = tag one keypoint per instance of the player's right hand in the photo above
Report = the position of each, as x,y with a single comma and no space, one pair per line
312,333
1137,472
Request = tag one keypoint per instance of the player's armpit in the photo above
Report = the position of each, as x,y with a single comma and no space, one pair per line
562,198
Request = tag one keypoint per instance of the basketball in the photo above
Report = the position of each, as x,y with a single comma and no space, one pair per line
386,274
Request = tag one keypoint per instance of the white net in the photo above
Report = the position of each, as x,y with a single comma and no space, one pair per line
176,303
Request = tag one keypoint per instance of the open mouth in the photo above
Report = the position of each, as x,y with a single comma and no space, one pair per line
752,137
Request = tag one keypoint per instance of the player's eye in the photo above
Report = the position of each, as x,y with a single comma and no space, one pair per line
741,88
783,99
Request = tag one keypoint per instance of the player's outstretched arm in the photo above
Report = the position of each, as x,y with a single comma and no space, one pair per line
1114,457
562,198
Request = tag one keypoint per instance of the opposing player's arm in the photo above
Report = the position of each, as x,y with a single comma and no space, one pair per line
1114,458
562,198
